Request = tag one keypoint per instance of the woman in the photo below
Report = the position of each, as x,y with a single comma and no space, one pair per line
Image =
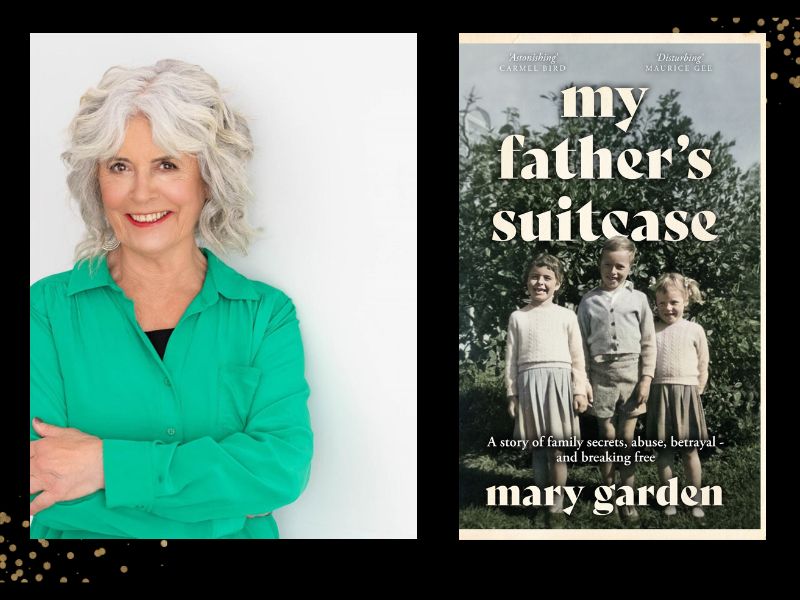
168,394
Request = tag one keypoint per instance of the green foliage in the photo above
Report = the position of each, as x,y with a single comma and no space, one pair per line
491,273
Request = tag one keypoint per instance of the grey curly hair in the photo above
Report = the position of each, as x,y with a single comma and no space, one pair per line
188,115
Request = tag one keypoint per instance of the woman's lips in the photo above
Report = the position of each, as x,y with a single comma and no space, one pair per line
148,223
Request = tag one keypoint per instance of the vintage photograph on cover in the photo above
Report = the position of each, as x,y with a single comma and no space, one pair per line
611,286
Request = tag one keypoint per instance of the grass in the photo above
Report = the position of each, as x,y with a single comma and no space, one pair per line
735,469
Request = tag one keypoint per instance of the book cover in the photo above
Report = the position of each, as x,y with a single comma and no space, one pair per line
602,173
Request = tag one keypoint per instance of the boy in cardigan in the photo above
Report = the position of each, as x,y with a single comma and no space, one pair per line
619,338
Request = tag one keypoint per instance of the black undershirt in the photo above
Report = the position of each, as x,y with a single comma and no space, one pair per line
159,339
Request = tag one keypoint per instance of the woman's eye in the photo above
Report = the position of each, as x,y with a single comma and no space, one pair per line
169,166
114,168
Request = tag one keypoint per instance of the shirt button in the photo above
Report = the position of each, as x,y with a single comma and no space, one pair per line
167,382
171,431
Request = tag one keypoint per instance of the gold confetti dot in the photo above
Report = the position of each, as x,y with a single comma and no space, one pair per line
773,75
163,543
735,19
787,52
124,569
12,548
99,552
63,580
3,558
796,41
23,581
2,565
70,555
761,22
675,30
780,26
785,22
39,577
797,34
769,44
46,566
26,523
797,60
18,562
84,580
19,572
44,543
2,539
781,37
14,577
774,18
32,554
714,19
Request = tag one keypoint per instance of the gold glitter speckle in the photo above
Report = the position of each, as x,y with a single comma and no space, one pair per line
714,19
785,22
84,580
769,44
2,565
32,554
63,580
3,558
14,577
773,75
163,543
774,18
100,552
735,19
781,37
44,543
26,523
796,41
18,562
761,22
675,30
39,577
124,569
19,572
780,26
12,548
2,539
787,52
70,555
797,60
46,566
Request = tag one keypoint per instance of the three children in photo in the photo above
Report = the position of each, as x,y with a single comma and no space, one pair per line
612,361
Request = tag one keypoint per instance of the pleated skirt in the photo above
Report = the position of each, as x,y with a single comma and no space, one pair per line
545,404
675,411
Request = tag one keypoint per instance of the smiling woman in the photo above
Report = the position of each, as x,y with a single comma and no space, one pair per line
168,395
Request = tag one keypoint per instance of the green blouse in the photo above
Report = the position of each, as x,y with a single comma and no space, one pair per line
192,444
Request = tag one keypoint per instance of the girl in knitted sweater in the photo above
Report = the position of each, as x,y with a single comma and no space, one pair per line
674,409
545,372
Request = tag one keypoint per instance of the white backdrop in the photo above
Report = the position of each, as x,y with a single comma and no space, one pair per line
334,175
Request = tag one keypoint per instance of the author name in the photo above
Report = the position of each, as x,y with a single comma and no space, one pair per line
606,496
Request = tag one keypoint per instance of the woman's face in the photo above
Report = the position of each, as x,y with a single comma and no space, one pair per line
152,200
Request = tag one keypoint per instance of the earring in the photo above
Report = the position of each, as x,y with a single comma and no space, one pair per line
111,244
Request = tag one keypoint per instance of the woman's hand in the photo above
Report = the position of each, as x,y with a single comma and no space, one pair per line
65,464
579,403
